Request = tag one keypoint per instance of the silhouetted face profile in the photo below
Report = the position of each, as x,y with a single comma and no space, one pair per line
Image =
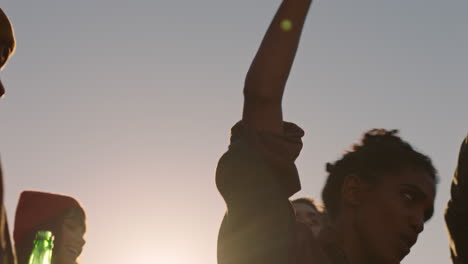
310,216
391,212
4,54
7,43
71,243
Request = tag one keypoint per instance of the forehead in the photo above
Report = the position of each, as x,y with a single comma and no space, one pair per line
303,208
75,218
74,215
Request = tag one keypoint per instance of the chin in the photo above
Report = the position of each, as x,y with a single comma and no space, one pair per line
389,259
397,259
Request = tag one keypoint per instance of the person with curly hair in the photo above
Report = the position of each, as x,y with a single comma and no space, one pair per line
378,195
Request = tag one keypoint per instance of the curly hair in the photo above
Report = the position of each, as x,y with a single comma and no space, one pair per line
380,151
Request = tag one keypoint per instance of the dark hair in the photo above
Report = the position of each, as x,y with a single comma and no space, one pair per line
25,246
310,202
380,151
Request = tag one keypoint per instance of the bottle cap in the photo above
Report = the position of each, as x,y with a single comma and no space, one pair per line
44,235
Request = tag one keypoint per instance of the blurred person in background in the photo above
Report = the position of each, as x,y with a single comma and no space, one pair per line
60,214
308,211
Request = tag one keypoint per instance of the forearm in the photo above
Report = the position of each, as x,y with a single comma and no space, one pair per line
267,76
459,188
456,215
272,64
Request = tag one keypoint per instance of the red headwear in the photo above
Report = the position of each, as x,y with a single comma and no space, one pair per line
37,208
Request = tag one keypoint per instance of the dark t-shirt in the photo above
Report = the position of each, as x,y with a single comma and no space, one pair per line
456,214
256,177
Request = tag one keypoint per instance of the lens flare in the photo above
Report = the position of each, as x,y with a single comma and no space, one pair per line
286,25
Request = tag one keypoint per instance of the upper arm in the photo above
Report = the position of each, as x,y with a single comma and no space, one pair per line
245,180
259,223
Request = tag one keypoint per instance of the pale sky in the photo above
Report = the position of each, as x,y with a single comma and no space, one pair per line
127,106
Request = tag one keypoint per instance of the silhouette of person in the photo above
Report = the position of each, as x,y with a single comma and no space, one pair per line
456,214
378,195
60,214
7,43
7,47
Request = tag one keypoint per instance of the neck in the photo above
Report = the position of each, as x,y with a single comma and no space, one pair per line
347,238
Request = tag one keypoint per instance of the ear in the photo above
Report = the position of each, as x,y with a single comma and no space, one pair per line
353,190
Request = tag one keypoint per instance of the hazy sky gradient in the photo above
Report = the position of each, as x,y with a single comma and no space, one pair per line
127,106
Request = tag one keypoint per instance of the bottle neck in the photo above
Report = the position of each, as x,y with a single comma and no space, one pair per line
43,244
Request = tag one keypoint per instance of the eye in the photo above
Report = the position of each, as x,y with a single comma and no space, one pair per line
408,196
71,225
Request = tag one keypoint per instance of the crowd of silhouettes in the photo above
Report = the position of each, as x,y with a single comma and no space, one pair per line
376,199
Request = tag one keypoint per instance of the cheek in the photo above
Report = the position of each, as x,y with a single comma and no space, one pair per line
316,230
374,219
386,209
380,222
66,236
302,218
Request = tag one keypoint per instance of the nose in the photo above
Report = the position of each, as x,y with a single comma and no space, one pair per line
417,222
82,242
4,53
2,89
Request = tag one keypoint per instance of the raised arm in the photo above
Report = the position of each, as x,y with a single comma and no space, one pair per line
257,175
269,71
456,215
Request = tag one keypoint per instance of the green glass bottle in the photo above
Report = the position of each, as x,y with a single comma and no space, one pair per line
42,251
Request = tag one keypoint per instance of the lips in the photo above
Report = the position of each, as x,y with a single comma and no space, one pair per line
407,241
75,251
